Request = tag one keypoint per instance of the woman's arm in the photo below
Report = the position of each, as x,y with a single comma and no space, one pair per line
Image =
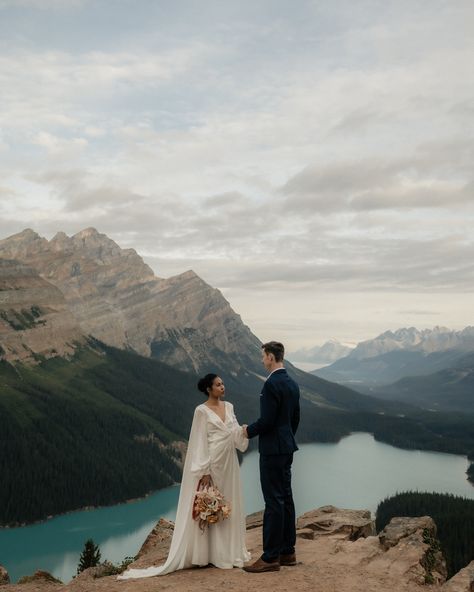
241,442
198,446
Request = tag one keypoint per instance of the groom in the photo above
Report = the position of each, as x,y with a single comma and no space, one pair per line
276,428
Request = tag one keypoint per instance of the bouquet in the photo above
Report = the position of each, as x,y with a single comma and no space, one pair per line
209,506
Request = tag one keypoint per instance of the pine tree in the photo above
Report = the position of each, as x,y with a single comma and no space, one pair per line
90,556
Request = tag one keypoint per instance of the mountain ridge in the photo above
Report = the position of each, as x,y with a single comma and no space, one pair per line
116,298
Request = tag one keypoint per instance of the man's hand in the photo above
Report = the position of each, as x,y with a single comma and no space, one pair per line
244,430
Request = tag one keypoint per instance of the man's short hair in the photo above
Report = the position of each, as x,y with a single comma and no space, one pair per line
276,348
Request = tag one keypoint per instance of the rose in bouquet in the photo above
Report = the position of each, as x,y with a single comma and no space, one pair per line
209,506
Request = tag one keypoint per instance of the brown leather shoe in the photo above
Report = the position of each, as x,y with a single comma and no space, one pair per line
261,566
288,559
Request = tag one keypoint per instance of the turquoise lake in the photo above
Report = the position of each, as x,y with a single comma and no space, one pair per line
357,472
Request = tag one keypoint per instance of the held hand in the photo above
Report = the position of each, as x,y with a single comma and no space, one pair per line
244,430
206,481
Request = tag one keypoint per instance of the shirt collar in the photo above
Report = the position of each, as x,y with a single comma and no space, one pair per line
276,370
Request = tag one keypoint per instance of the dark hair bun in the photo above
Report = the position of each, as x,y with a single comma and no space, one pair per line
206,383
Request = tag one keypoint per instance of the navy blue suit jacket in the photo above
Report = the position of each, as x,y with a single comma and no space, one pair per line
279,415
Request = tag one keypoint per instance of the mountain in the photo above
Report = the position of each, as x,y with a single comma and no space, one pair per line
451,389
97,428
411,339
394,355
386,368
327,353
35,321
116,298
98,365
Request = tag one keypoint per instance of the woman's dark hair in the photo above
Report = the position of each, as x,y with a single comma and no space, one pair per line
206,383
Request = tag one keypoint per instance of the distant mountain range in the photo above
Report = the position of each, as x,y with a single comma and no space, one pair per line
411,339
324,354
394,355
450,389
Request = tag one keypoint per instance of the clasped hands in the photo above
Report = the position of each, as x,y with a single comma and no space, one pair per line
244,431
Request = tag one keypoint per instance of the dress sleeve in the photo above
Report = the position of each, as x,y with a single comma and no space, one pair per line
198,447
240,441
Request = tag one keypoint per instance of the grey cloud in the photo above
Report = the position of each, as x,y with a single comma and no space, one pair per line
435,176
360,119
364,264
224,200
420,313
42,4
399,197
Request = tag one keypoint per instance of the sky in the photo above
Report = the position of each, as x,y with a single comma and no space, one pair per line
313,160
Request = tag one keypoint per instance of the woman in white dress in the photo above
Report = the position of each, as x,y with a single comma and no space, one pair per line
211,456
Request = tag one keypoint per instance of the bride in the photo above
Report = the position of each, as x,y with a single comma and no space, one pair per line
211,456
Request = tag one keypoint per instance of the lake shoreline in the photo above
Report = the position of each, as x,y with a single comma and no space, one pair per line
154,491
321,474
85,509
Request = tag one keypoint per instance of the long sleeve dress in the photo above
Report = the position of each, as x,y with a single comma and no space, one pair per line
211,451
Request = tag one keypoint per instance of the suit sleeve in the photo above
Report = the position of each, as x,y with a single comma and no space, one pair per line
268,412
295,420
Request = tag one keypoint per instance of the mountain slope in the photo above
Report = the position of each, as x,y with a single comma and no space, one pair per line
115,297
95,429
107,425
451,389
386,368
35,321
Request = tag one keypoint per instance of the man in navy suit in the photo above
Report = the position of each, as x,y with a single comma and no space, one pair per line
276,429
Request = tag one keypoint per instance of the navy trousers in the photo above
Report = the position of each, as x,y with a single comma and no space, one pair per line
279,528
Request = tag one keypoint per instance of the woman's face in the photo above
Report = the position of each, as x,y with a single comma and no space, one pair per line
218,389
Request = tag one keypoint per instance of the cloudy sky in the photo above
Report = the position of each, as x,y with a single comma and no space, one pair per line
312,159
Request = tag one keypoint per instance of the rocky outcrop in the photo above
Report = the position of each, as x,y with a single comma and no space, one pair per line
4,577
394,561
115,297
402,528
39,577
156,546
35,321
343,551
416,538
463,581
331,520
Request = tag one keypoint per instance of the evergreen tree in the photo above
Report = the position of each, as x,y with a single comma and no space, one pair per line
90,556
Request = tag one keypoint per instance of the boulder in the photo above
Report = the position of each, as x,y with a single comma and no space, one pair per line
160,536
305,533
39,577
4,577
411,544
154,550
326,520
463,581
399,528
254,520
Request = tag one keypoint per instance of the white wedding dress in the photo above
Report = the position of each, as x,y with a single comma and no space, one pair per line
211,450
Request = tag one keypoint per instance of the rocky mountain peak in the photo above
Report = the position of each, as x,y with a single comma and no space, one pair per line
410,338
22,244
87,232
115,297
